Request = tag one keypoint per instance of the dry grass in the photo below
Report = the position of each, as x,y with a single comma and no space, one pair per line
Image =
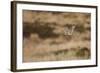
44,38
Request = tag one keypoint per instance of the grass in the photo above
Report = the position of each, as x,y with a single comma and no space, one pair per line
43,31
83,52
80,28
67,54
45,39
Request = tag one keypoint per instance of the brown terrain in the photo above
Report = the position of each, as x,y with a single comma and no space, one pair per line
46,38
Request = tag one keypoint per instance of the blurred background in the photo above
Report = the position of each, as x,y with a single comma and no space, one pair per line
46,39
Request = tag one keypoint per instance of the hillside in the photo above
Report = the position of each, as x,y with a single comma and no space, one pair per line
50,36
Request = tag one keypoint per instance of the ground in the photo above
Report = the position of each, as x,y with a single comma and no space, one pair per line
46,36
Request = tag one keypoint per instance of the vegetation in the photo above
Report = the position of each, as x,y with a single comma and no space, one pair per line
44,38
43,31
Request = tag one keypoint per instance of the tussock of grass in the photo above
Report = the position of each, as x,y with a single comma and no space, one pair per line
80,28
83,52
